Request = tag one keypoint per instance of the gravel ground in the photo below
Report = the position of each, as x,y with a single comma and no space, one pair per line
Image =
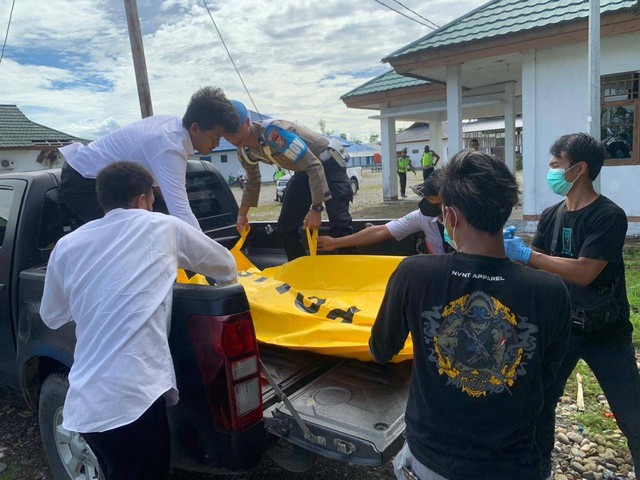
577,455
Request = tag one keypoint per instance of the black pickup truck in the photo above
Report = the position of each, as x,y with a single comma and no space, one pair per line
228,415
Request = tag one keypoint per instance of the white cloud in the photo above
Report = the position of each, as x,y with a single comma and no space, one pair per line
68,64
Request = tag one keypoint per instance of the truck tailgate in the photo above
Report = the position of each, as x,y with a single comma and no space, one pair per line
354,409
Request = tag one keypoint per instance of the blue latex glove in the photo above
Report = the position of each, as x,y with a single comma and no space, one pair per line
517,250
509,232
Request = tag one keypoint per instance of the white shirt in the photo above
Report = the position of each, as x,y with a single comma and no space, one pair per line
415,222
114,277
159,143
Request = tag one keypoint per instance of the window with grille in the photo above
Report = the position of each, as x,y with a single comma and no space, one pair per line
620,127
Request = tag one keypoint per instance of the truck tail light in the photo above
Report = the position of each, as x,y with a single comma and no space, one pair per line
227,353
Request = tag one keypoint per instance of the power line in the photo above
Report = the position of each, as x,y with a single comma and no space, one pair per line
231,58
7,34
404,15
416,13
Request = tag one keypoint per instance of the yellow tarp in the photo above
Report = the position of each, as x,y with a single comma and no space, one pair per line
325,304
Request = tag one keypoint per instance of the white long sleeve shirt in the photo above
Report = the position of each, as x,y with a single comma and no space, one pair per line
415,222
114,277
159,143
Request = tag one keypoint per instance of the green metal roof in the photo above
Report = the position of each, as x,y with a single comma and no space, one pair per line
503,17
16,131
387,81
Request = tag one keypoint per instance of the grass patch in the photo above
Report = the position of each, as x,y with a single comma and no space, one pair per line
10,473
632,268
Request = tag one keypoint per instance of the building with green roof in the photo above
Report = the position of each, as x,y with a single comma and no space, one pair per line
26,145
508,58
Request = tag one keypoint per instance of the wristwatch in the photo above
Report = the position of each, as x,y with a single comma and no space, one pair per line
317,208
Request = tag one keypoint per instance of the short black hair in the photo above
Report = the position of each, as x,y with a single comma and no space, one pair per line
482,187
433,183
580,147
119,183
210,107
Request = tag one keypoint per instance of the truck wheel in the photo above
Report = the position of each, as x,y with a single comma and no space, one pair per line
69,456
354,186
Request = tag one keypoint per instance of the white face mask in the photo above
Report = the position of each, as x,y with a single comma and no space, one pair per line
450,239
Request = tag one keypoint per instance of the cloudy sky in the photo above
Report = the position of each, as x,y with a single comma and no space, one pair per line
67,64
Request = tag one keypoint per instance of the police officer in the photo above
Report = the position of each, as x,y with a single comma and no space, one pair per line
429,161
404,164
320,176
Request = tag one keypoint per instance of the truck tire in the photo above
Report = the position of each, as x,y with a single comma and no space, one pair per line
69,456
354,185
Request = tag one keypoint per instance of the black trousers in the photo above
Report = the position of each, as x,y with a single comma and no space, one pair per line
295,206
426,171
79,194
403,183
138,451
614,364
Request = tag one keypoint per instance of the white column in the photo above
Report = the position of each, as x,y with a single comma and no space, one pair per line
530,158
454,108
510,126
389,159
435,136
593,121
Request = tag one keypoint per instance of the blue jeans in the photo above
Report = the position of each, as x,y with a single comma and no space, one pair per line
614,364
406,459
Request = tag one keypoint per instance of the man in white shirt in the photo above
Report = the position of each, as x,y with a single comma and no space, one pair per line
161,144
425,219
114,278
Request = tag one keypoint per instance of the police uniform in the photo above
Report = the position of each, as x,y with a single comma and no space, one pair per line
403,165
319,178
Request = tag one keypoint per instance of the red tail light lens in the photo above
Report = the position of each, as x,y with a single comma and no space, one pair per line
227,354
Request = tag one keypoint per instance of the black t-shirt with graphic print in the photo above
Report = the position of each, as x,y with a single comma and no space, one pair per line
488,337
596,231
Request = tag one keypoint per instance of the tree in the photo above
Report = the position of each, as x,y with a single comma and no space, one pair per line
374,137
343,136
323,127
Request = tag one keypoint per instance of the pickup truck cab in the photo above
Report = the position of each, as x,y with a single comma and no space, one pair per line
228,415
354,174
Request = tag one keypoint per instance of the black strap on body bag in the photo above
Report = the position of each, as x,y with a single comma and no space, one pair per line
592,309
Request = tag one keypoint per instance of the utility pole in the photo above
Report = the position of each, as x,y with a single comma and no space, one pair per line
139,63
593,119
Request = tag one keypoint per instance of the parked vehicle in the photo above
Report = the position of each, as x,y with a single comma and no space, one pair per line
354,174
238,181
225,421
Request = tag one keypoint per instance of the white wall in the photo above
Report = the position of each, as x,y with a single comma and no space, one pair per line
23,161
232,165
555,102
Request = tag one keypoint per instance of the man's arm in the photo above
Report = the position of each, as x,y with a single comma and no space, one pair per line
204,255
251,191
437,158
581,271
54,309
368,236
169,168
557,346
390,330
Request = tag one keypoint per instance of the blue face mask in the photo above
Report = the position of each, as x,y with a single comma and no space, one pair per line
448,238
557,182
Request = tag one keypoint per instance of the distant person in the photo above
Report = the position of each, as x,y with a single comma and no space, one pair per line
427,219
404,164
474,144
114,278
161,144
581,239
488,337
429,161
320,176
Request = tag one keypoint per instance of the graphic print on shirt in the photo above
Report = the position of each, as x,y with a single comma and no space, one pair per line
566,241
285,142
479,344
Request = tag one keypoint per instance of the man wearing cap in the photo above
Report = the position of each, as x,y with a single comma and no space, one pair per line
426,219
319,177
404,164
429,161
161,144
